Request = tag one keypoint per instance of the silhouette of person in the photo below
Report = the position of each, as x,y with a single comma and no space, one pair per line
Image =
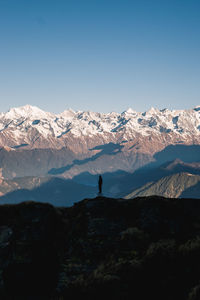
100,182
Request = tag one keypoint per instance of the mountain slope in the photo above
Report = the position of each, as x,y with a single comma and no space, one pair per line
57,191
120,184
172,186
33,162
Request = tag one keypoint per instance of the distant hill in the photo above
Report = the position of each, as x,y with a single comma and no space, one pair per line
171,179
121,184
173,186
54,190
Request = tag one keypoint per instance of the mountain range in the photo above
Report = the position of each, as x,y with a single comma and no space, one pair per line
30,127
130,149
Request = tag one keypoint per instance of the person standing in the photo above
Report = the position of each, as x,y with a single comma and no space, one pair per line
100,182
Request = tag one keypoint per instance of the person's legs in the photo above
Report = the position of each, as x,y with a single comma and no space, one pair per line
100,188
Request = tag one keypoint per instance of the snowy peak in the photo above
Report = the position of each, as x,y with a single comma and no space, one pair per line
26,111
31,121
153,111
68,114
130,111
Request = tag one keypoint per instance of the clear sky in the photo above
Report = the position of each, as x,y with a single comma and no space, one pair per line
100,55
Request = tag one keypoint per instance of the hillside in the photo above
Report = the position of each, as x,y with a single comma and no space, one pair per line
123,184
53,190
102,248
172,186
172,179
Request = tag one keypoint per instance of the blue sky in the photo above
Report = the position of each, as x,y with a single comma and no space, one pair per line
99,55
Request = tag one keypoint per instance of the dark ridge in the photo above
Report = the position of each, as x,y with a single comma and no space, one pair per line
101,248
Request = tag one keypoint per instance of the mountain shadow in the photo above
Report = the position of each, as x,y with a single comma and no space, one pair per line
171,160
192,192
57,191
61,192
107,149
186,153
34,162
87,178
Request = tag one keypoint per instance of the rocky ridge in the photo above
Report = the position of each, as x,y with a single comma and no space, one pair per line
101,248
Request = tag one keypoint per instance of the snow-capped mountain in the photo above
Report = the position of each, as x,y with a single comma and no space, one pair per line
91,142
32,127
